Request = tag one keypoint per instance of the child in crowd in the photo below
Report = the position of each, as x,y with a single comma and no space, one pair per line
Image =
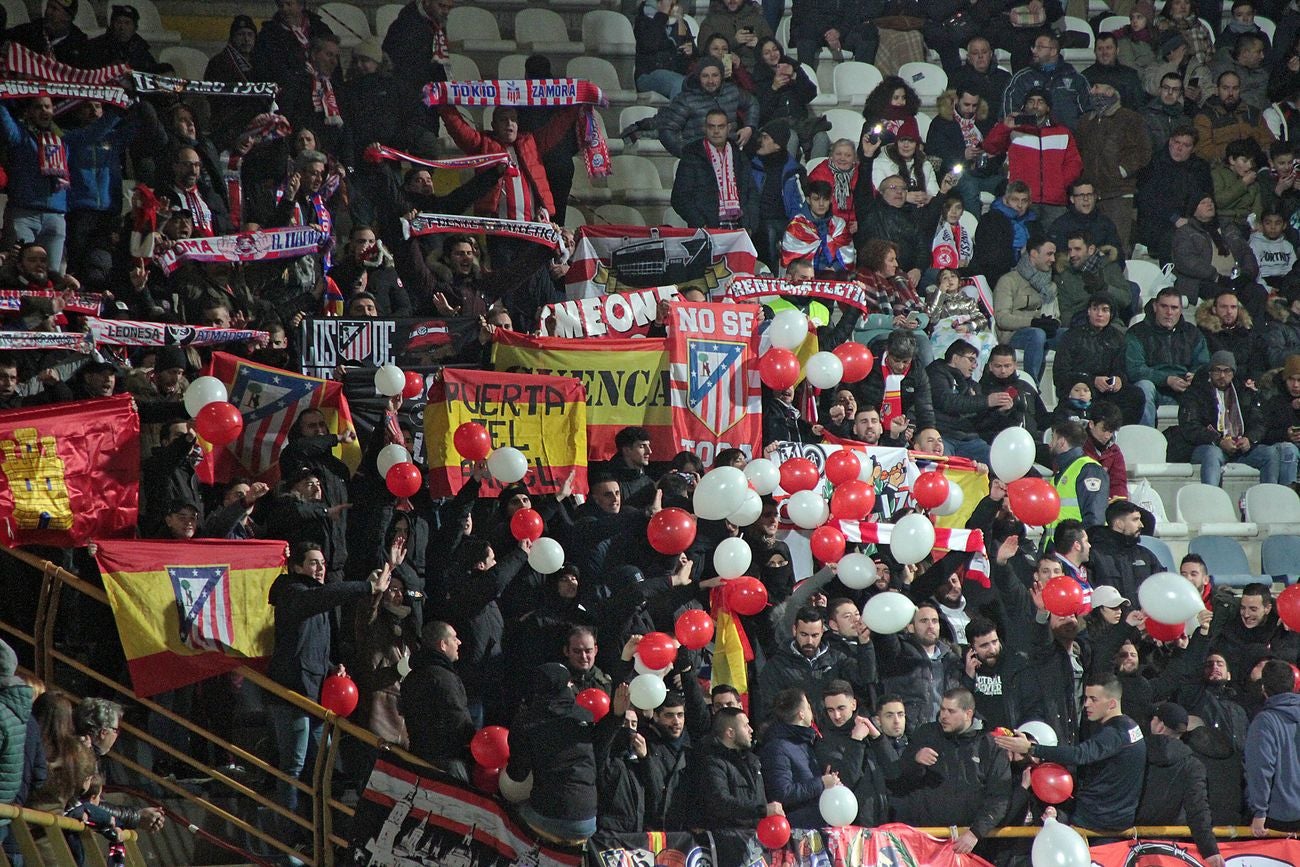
957,316
1276,255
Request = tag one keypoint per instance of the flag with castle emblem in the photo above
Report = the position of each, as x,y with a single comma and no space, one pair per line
189,610
69,472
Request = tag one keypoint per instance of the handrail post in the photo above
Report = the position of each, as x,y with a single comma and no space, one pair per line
322,776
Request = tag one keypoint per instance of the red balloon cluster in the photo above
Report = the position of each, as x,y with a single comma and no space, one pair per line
774,831
828,544
656,650
1288,607
1052,783
671,531
842,467
527,524
1034,501
930,489
694,629
338,694
1062,596
745,595
219,423
595,700
404,479
491,746
472,441
853,501
414,385
779,369
799,474
856,359
1164,631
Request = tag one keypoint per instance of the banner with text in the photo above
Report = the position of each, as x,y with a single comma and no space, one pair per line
612,259
758,288
1182,853
410,343
545,417
713,352
626,383
620,314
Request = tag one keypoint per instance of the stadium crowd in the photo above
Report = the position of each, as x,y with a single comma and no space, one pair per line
1172,147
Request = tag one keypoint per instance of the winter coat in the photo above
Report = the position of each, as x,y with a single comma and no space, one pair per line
382,639
277,52
1027,409
1220,707
1074,288
1111,458
1222,764
911,227
1234,200
995,250
1016,303
1069,90
1167,191
1050,665
791,181
301,657
791,772
28,188
96,167
790,102
621,778
1087,352
957,401
15,711
1154,353
1242,340
1099,227
657,43
732,793
1198,418
789,668
1114,148
970,784
409,45
1045,157
435,708
915,388
862,766
1216,126
552,740
1273,760
1161,120
471,606
722,20
70,49
1005,695
1281,416
1119,561
1174,791
682,120
945,141
907,671
1125,80
695,187
1281,334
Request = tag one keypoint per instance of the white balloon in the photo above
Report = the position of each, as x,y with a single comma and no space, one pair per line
888,612
393,453
732,557
839,806
1058,845
389,380
507,464
856,571
953,503
866,472
788,329
1040,731
763,475
749,512
1169,598
647,691
721,492
1012,454
203,391
912,539
824,370
514,791
546,556
642,668
807,509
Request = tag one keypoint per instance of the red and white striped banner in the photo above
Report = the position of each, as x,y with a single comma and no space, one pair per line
378,153
515,91
22,62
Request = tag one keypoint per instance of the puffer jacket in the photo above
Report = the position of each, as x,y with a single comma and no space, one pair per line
1174,791
15,710
722,20
1119,561
957,400
1281,335
1242,340
1155,353
621,778
945,141
682,120
862,766
970,784
732,794
1045,157
552,740
1084,351
791,772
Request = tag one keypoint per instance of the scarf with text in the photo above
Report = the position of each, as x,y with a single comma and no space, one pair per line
951,246
125,332
545,92
970,132
436,224
260,246
320,216
376,154
724,171
757,288
148,82
88,303
440,52
323,98
28,74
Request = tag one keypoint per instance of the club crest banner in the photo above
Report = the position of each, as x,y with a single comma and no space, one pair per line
613,259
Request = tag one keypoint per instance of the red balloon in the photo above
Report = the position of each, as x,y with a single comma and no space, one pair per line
671,531
778,368
1295,677
657,650
856,359
853,501
694,629
799,474
414,384
842,466
930,489
594,700
745,595
827,544
219,423
486,779
404,479
472,441
1062,596
338,694
774,831
491,746
1052,783
527,524
1288,607
1034,501
1164,631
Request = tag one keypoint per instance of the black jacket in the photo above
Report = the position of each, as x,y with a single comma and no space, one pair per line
1005,694
301,657
552,740
917,403
1119,561
990,85
621,778
1223,764
657,46
695,188
433,703
783,423
1168,191
730,785
471,606
1198,416
908,672
1084,351
910,227
790,668
277,52
863,766
970,784
1108,776
1174,792
1027,408
957,401
1099,226
791,772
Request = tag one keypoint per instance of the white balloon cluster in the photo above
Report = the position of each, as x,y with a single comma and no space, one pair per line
720,493
203,391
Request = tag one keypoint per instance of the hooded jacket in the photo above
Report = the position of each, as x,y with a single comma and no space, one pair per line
970,784
15,710
301,657
1120,561
1174,791
682,120
1222,763
621,778
435,708
552,740
1272,760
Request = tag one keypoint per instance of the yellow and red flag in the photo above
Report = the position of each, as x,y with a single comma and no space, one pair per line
189,610
69,472
271,399
545,417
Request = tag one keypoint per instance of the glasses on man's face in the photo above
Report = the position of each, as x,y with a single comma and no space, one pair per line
1221,370
1083,195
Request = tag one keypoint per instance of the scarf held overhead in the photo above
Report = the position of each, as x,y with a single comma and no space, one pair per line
28,74
845,292
437,224
546,92
262,245
376,154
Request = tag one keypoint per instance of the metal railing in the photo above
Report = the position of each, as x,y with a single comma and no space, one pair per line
325,808
55,850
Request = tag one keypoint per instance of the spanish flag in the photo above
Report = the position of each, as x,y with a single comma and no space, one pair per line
187,611
962,473
732,651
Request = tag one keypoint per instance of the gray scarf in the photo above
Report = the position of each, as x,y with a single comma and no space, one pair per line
1040,280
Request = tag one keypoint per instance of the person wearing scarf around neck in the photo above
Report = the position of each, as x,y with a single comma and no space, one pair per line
841,171
1208,254
1025,306
234,65
282,44
311,98
417,45
1114,146
714,185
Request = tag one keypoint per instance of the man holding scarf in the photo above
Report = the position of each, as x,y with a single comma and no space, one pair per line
714,187
309,97
898,386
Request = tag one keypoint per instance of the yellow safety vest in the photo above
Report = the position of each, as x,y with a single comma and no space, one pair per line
1067,488
818,312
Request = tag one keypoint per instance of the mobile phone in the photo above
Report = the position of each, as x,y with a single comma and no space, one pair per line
1025,119
958,169
874,135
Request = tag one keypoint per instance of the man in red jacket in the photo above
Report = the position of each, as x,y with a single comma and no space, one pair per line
1040,152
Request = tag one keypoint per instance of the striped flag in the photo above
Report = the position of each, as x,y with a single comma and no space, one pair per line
716,391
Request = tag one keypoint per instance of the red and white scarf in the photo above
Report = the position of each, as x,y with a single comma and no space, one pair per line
288,242
548,92
264,128
970,133
376,154
29,74
301,31
323,99
724,170
951,246
891,404
52,155
192,199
